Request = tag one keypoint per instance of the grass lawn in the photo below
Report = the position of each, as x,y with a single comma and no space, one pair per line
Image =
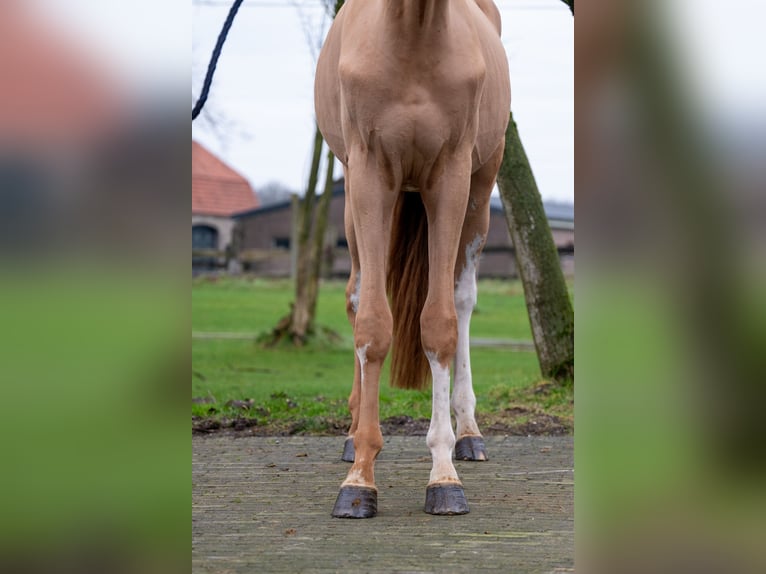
291,390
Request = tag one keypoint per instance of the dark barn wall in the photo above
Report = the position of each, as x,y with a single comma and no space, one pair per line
260,240
263,233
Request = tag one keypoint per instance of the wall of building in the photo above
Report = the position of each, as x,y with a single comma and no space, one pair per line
224,225
267,229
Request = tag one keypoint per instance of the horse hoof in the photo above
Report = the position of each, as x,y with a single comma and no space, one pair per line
446,499
348,450
471,448
356,502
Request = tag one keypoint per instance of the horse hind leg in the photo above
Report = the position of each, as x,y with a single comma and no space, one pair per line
470,443
356,390
352,306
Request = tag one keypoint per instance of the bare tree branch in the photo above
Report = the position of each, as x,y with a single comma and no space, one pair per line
313,33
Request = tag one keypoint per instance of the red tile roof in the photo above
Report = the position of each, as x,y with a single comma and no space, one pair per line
216,188
54,89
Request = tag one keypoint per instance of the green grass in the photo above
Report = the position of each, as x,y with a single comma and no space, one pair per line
255,305
307,389
91,359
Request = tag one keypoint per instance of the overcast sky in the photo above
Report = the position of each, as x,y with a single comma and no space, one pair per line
263,87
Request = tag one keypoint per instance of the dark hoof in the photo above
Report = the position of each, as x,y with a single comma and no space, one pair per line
446,499
470,448
348,450
356,502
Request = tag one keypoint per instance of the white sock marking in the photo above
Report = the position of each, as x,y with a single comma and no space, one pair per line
463,397
361,353
441,438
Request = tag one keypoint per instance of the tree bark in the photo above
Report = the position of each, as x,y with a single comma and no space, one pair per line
548,304
320,229
296,324
301,315
295,223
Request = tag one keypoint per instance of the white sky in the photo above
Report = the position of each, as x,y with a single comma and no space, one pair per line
143,42
715,51
263,87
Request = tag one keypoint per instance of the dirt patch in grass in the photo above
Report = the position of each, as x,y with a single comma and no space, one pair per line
521,421
517,421
544,408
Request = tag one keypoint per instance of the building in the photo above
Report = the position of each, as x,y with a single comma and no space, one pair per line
264,239
218,192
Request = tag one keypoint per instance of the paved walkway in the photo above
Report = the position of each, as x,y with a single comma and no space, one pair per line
263,505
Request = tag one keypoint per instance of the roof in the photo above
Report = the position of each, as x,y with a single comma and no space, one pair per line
216,188
337,189
555,211
54,89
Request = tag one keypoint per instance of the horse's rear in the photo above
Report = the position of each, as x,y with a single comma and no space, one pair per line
413,98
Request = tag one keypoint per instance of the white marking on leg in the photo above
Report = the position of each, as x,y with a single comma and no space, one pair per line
361,353
441,438
354,297
463,397
354,478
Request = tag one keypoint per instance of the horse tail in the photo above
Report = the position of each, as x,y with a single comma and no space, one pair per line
407,286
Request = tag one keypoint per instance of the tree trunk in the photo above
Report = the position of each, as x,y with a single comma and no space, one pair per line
295,223
299,324
301,315
320,229
296,324
548,304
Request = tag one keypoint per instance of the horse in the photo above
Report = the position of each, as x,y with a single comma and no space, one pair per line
413,98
